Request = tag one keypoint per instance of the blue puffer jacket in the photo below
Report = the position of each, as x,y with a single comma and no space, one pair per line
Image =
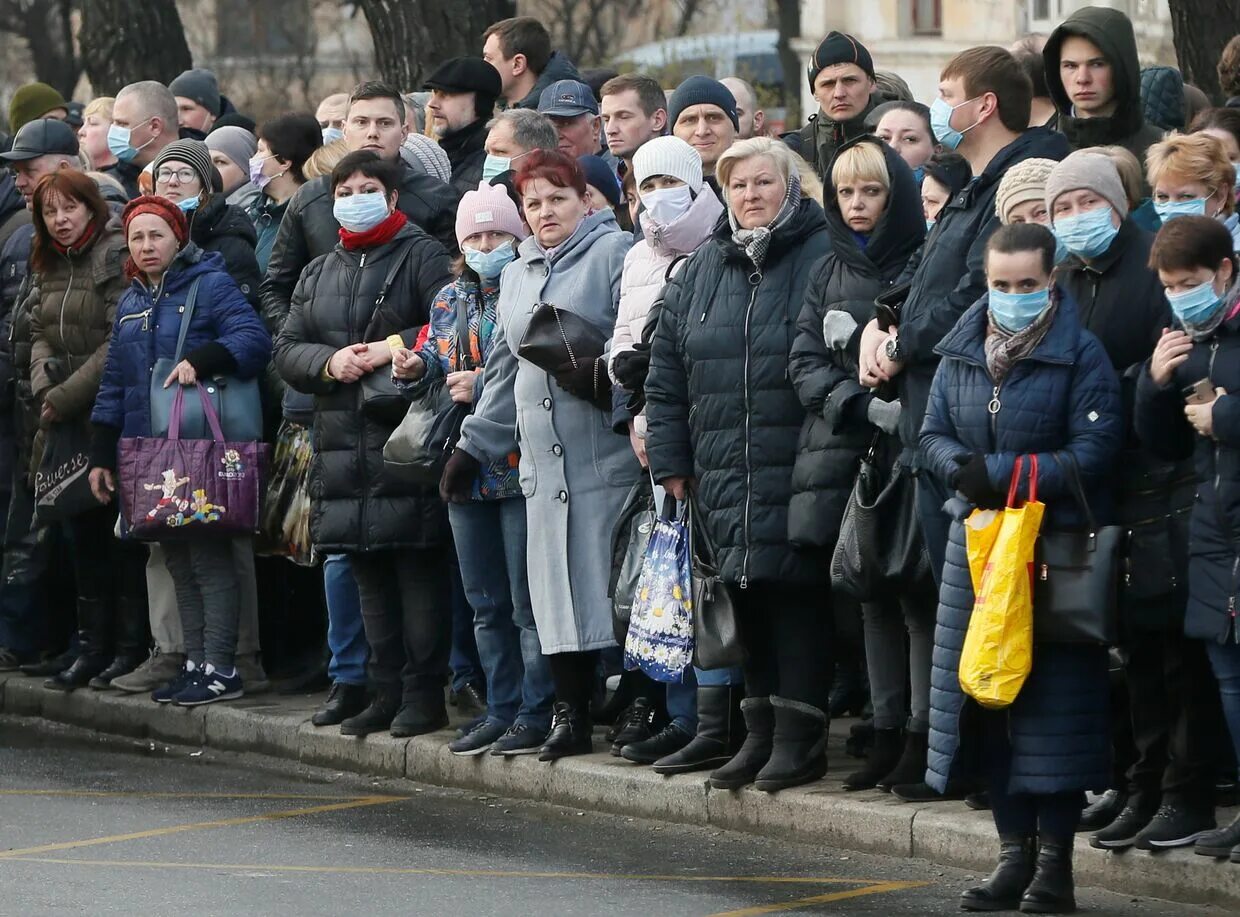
226,335
1064,397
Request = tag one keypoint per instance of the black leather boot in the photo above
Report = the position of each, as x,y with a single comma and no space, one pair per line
420,714
639,723
1051,891
375,718
343,701
570,734
668,741
94,628
133,642
884,756
849,690
720,732
911,768
798,746
1002,889
754,752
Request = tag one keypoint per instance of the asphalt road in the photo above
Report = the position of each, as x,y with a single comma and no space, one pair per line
91,825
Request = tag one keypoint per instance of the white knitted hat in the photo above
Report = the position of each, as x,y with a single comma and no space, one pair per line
668,156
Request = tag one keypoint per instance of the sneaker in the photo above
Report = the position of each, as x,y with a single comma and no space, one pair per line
1221,843
1176,825
637,725
1123,832
478,740
177,684
157,671
519,740
211,686
1104,810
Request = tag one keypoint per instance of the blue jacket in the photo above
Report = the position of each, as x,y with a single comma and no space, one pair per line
226,335
1064,397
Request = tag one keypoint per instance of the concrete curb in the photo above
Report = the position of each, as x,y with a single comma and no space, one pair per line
946,833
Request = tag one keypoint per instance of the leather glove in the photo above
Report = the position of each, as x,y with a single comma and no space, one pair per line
589,382
972,479
459,473
837,329
631,366
884,414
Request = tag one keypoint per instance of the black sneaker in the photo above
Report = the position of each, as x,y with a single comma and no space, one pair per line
1123,832
1100,813
1175,825
478,740
637,726
1221,843
183,680
519,740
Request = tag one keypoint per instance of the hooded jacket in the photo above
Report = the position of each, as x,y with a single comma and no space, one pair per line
558,67
821,138
1112,32
836,429
218,226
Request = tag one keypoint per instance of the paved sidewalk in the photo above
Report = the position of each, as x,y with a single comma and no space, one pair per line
947,833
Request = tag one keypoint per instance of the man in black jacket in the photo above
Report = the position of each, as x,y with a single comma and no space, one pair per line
520,49
463,94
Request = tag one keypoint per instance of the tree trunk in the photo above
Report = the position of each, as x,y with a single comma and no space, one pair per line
124,41
49,34
412,39
1201,29
789,16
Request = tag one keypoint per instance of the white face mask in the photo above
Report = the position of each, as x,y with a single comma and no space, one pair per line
666,205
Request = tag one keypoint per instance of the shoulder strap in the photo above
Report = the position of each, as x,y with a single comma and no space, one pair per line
671,268
463,354
397,263
191,300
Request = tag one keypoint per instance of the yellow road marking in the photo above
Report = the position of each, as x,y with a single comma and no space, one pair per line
877,889
124,794
219,823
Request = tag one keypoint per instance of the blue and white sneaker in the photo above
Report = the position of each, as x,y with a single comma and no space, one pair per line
209,687
182,681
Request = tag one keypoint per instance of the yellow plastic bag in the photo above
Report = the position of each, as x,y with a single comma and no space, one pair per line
998,648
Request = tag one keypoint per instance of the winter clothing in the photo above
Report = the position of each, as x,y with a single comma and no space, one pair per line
218,226
466,151
839,48
1084,169
602,176
702,90
425,156
1112,32
1024,182
573,470
468,74
720,405
266,215
355,507
42,137
488,208
1162,98
237,144
567,99
668,156
558,67
199,85
31,102
1064,398
193,153
821,137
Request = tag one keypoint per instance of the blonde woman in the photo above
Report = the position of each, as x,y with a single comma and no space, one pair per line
93,134
1191,175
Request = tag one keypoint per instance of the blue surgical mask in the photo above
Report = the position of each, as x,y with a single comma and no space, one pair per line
331,135
119,142
1017,311
918,174
1195,306
361,212
188,204
489,265
930,225
1061,250
941,123
1088,234
494,166
1169,210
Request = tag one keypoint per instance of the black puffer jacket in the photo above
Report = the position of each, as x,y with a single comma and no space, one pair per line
836,429
355,506
218,226
719,404
467,152
821,138
1162,98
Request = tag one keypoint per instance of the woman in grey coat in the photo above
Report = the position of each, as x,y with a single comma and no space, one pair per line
575,472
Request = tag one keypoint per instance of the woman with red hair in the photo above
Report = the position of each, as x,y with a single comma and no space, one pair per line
575,472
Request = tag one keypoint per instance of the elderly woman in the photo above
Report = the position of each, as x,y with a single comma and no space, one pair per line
93,134
723,421
575,472
232,148
1191,175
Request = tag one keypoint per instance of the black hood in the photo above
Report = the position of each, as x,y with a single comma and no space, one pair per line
218,218
900,230
1112,32
558,67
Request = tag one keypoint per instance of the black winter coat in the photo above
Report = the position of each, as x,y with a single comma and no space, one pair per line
218,226
836,430
719,403
467,153
821,139
948,275
558,67
355,505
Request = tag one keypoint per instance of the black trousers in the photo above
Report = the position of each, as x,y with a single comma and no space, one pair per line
110,575
1051,815
575,676
407,615
787,634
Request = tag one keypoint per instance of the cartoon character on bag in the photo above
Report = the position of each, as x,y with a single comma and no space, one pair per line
203,511
169,487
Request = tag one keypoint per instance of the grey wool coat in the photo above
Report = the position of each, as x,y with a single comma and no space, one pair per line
575,471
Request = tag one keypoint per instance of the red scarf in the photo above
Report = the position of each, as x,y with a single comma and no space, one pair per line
376,235
82,242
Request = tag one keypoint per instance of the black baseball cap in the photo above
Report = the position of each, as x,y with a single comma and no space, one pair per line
44,137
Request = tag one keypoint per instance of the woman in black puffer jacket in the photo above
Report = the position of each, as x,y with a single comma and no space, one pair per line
873,209
723,421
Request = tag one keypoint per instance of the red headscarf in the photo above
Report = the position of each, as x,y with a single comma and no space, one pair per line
166,210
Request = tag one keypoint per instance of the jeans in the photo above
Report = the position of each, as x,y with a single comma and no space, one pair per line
891,668
490,546
161,596
1051,815
787,634
935,524
463,661
682,698
1225,661
346,637
204,574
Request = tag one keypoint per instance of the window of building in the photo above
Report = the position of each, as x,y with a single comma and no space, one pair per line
927,17
248,29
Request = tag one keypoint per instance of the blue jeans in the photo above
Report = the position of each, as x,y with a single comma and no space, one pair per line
463,660
682,698
490,546
345,635
1225,660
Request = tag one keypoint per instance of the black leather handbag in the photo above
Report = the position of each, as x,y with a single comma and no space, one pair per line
381,399
557,339
1076,575
880,550
716,636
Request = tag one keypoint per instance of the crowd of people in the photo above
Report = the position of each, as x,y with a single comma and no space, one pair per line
1040,263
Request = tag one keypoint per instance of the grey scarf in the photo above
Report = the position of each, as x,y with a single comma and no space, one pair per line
1202,331
1004,349
757,241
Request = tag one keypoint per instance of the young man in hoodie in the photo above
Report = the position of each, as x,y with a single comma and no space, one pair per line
520,49
1094,77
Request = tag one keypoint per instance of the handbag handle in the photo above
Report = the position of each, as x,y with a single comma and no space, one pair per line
208,410
693,514
1072,472
187,316
1014,486
462,333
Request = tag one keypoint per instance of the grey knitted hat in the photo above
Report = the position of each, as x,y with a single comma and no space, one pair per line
1087,169
193,153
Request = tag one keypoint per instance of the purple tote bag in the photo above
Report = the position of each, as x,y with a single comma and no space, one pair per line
190,488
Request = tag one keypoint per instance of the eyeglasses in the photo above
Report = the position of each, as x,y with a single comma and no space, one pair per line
183,176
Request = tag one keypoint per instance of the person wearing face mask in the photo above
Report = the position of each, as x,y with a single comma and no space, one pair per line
277,171
1184,408
905,127
1021,197
1059,401
184,174
331,115
1191,175
489,529
232,148
351,309
144,121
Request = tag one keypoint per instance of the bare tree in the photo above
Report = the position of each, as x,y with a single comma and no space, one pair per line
46,26
1201,29
788,16
123,41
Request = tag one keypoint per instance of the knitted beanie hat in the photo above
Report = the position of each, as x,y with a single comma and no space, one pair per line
193,153
702,90
425,155
236,143
198,85
1023,182
161,207
31,102
668,156
1086,169
839,48
488,208
599,174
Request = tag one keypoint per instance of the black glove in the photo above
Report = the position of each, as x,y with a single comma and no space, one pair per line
631,366
973,480
588,381
459,473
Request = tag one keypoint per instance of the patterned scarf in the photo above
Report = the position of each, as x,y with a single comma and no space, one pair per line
1004,349
756,242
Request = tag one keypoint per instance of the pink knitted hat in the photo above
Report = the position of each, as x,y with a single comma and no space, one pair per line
488,208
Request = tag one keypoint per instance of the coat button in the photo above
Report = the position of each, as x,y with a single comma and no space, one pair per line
557,449
562,496
547,403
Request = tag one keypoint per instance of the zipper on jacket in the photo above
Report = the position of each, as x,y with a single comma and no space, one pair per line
1231,601
754,280
145,316
63,301
361,440
993,407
